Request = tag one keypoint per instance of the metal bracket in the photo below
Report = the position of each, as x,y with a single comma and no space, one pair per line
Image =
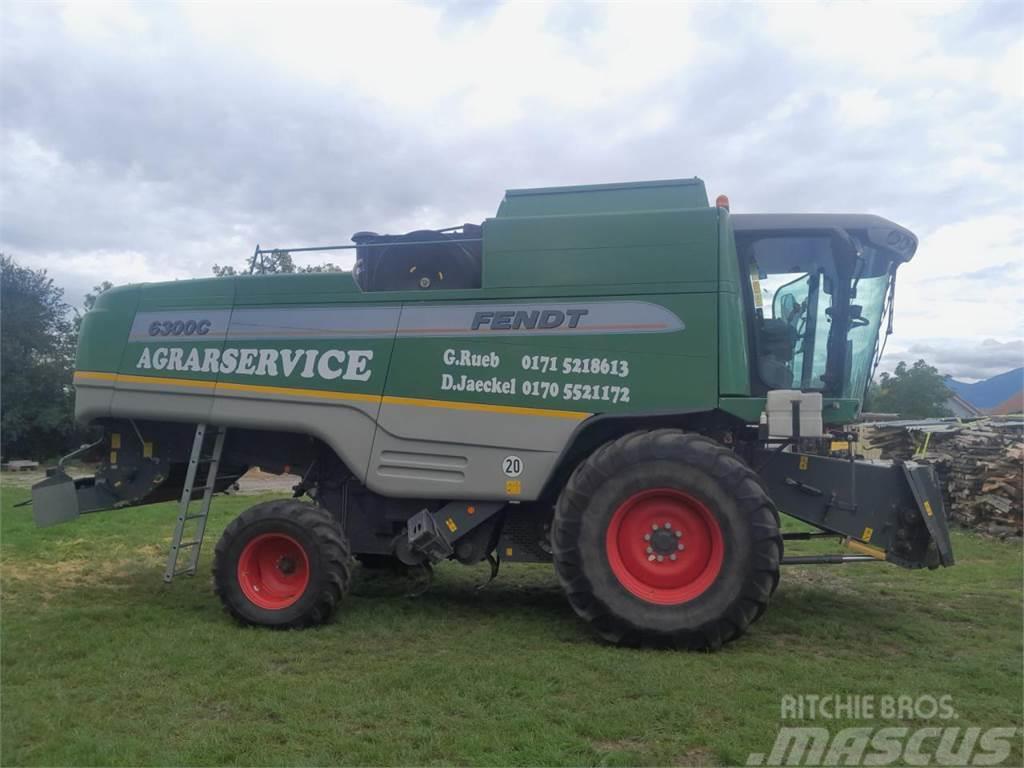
925,488
425,536
434,533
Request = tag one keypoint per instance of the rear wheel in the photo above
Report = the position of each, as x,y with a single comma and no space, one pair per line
282,564
667,538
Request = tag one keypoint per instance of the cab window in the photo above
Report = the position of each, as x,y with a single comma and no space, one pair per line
791,283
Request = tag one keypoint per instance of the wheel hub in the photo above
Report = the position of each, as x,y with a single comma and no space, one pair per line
664,546
664,541
273,571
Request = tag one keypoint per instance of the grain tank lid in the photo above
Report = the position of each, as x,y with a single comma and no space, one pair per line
669,194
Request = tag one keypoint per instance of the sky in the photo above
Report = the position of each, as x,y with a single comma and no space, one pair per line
150,141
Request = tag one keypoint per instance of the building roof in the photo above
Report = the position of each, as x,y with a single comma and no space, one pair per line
1013,404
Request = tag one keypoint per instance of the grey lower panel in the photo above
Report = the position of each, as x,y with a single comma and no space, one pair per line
433,452
171,403
417,451
92,402
347,427
506,430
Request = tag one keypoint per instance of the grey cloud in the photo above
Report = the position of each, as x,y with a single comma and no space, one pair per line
961,359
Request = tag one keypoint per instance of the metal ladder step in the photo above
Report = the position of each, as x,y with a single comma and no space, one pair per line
190,488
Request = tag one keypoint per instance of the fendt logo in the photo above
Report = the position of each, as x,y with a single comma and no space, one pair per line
534,319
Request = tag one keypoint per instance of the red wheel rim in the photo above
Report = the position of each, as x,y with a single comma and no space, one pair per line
273,571
651,527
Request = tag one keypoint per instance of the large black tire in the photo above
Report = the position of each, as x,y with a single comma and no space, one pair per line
713,589
283,564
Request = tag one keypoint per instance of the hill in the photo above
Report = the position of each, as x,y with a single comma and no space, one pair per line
990,392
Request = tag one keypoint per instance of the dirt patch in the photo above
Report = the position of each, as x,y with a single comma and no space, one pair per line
699,757
46,581
618,745
820,576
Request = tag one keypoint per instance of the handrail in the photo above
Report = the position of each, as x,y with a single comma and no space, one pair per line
260,251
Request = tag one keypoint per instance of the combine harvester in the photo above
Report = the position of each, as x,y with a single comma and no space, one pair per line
620,378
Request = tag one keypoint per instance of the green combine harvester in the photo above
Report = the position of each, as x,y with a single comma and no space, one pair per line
619,378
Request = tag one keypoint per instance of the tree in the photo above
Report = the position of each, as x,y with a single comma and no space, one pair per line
37,347
914,392
274,262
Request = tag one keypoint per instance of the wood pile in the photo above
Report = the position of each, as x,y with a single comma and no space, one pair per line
980,465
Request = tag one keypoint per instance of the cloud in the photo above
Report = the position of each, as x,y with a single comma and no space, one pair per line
149,141
965,360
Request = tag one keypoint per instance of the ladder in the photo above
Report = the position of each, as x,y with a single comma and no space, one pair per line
194,542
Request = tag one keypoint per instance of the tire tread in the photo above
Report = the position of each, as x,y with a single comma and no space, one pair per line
732,473
333,549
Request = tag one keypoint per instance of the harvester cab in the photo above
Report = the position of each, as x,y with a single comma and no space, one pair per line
620,379
819,285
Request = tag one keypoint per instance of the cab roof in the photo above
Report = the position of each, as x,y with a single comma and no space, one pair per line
899,241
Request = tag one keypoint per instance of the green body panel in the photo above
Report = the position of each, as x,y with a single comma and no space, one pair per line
204,293
604,198
104,329
674,248
643,372
301,288
836,411
733,354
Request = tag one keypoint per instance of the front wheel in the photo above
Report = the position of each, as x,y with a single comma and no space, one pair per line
667,538
282,564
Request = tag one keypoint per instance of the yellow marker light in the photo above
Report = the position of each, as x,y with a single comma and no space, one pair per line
928,508
866,536
803,462
115,440
513,487
451,525
508,551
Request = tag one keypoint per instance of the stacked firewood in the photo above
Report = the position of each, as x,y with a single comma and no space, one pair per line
980,465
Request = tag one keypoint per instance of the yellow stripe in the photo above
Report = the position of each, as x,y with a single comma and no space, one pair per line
424,403
85,375
119,377
353,396
264,389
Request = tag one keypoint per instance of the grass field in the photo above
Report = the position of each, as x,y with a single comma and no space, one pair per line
103,664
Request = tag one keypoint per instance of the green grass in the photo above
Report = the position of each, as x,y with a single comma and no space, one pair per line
104,664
